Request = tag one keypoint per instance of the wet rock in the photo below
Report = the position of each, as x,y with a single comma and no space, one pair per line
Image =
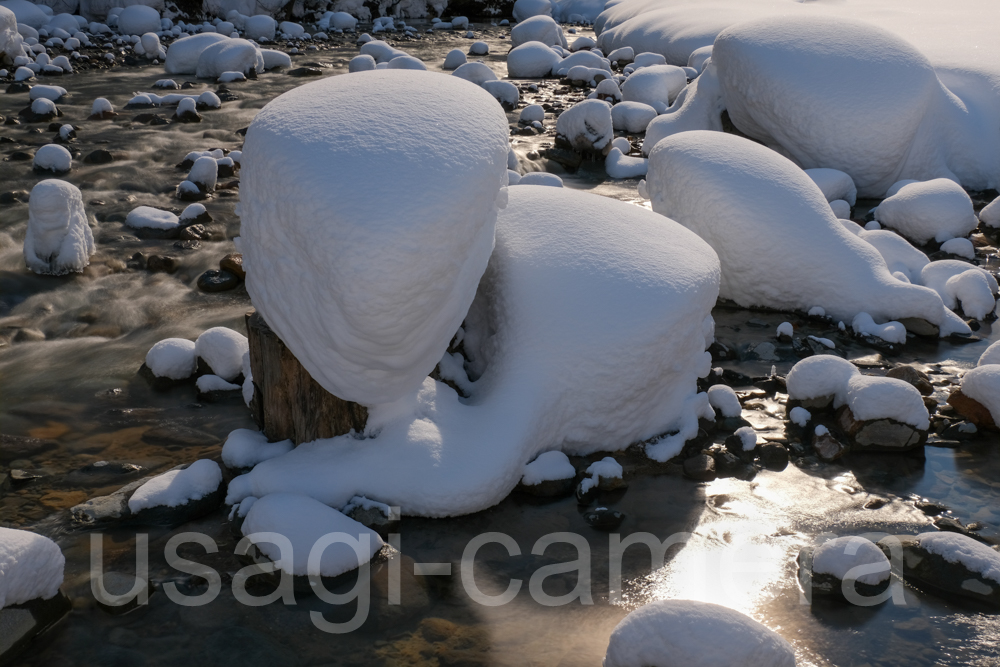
233,262
162,264
720,352
938,573
187,245
551,488
879,434
305,71
700,468
828,448
586,493
15,197
196,232
156,234
102,473
120,584
951,525
825,584
971,409
18,87
376,519
14,447
726,463
875,503
734,444
911,375
27,335
764,351
30,116
20,478
930,508
217,281
21,624
20,156
103,115
173,436
774,456
100,156
187,116
603,518
920,327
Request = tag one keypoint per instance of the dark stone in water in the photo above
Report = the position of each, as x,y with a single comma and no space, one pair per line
13,447
734,444
100,156
774,456
162,264
187,85
700,468
603,518
305,71
22,624
102,473
828,585
121,583
196,232
20,156
930,508
940,575
23,477
15,197
233,262
15,121
552,488
159,120
217,281
153,233
18,87
188,117
876,503
586,497
176,436
190,244
144,118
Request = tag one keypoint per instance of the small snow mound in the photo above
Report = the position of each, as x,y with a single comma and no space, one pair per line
222,349
245,448
891,332
532,60
549,466
58,239
147,217
207,383
54,158
871,398
991,356
959,248
31,567
172,358
834,184
841,554
541,178
990,214
725,401
177,487
748,437
982,384
819,376
935,210
800,416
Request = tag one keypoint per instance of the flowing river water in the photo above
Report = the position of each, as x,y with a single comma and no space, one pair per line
70,348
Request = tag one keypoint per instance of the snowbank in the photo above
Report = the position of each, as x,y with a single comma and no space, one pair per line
245,448
375,294
58,239
588,333
688,633
183,54
223,349
10,39
779,243
177,487
172,358
304,522
31,567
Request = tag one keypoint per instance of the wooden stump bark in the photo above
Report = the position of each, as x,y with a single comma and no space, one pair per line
288,404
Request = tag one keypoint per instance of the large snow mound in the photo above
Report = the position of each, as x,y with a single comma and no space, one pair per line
688,633
935,210
305,522
183,55
368,297
778,241
538,29
230,55
588,333
10,38
138,20
31,567
58,239
872,398
531,60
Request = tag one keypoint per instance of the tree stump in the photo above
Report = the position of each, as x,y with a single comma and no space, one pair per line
288,404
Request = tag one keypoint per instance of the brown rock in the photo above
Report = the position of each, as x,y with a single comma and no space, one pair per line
972,410
233,262
828,447
879,434
162,263
913,376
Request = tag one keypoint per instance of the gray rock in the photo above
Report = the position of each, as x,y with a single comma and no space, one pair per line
828,448
932,570
552,488
20,624
828,585
914,377
700,468
887,435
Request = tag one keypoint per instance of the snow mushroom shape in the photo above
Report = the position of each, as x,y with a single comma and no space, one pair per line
588,333
687,633
367,299
58,239
778,241
768,70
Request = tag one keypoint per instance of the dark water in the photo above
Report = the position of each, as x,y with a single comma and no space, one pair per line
79,388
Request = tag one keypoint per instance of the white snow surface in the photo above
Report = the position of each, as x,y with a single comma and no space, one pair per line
230,55
632,117
655,85
959,282
778,242
579,288
153,218
54,158
172,358
207,383
532,113
959,247
835,557
405,272
58,239
304,521
990,214
819,376
983,385
183,54
538,29
525,9
205,170
688,633
532,60
138,20
870,397
957,548
475,72
48,92
541,178
748,436
897,252
454,59
799,416
622,166
177,487
935,210
891,332
724,400
31,567
274,59
222,349
991,356
548,466
245,448
587,126
834,184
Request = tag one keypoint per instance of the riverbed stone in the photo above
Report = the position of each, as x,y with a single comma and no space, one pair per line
936,572
22,624
550,488
218,280
233,262
829,448
700,468
828,585
972,410
914,377
886,435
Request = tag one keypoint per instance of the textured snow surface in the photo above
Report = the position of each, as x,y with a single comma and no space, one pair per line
959,282
58,239
834,184
724,400
819,376
587,125
932,210
183,54
172,358
983,384
538,29
368,298
149,217
871,397
897,252
588,333
778,242
138,20
958,548
209,382
541,178
53,157
657,86
891,332
991,356
222,349
633,117
48,92
525,9
990,214
177,487
622,166
799,416
748,436
304,521
531,60
841,554
245,448
230,55
547,467
31,567
687,633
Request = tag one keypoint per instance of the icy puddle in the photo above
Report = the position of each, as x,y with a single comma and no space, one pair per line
736,541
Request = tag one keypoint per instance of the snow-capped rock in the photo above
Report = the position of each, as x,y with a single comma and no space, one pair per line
183,54
244,449
525,9
824,569
231,55
935,210
172,358
586,127
656,85
222,349
949,562
58,239
138,20
53,158
532,60
539,28
632,117
978,399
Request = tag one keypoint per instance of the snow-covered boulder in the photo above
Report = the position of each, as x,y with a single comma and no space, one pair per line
990,214
550,474
183,54
181,494
230,55
245,448
58,239
579,287
538,29
584,59
54,159
819,381
991,356
11,40
454,59
172,358
619,165
505,92
676,633
362,63
532,60
260,27
883,414
950,562
381,51
656,86
475,72
898,254
959,282
305,522
824,570
541,178
222,349
632,117
138,20
586,127
394,305
27,13
935,210
724,401
978,399
525,9
31,568
779,243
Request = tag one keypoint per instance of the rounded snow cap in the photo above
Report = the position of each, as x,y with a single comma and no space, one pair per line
366,227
